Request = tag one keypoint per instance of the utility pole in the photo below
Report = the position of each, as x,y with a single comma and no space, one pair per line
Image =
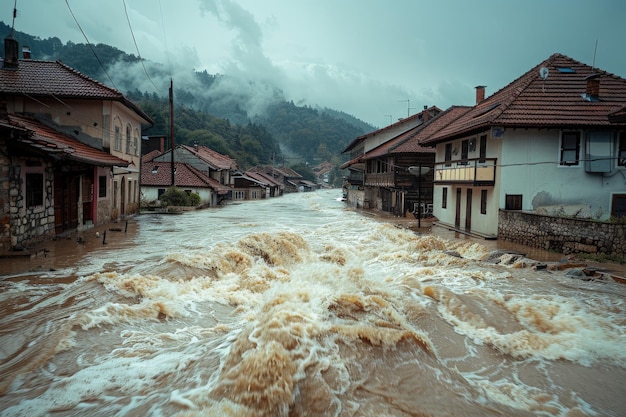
172,130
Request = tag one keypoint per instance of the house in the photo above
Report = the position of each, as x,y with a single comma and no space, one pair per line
52,109
288,179
551,141
378,174
211,163
250,187
322,172
273,186
156,178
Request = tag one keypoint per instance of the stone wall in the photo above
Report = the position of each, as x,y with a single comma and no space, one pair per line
562,234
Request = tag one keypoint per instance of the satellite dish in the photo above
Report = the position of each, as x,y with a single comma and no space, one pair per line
543,72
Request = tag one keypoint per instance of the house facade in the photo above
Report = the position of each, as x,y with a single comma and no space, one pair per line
551,142
80,135
378,168
156,178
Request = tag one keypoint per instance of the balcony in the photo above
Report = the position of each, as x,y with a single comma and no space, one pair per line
380,179
477,172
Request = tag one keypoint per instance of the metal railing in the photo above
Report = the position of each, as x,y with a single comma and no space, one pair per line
477,171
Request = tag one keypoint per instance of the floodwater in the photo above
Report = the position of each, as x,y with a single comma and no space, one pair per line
296,306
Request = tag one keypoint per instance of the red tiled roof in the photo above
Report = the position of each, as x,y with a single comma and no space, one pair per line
351,162
212,157
150,155
61,145
160,174
531,101
261,177
414,144
433,111
54,79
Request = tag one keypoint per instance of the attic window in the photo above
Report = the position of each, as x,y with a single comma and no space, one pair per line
565,70
155,169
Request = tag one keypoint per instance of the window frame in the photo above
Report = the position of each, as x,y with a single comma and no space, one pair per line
513,202
444,198
570,134
34,189
447,157
102,186
483,201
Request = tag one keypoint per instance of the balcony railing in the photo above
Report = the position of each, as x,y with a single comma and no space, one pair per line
385,179
467,171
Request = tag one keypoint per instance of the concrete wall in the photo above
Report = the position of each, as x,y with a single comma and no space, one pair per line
562,234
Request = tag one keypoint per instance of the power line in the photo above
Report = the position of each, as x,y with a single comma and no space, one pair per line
90,45
137,48
167,52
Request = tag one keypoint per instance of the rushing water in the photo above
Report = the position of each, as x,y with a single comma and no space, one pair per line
296,306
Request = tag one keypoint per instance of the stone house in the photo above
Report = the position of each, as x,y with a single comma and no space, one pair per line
76,135
551,141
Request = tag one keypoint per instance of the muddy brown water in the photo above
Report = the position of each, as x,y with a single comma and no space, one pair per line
298,306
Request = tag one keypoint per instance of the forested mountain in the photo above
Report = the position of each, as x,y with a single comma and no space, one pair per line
250,122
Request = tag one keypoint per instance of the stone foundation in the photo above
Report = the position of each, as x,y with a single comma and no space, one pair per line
562,234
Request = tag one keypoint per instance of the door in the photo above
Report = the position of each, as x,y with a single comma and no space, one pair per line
65,201
457,217
468,210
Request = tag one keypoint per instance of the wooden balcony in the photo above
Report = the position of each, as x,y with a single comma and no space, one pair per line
380,180
478,172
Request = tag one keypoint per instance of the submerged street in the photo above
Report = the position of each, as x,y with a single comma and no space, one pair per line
298,306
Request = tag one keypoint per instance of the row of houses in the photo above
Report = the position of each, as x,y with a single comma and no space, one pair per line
552,141
71,156
215,177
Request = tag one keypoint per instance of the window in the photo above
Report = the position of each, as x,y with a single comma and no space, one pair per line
135,143
34,190
160,192
128,139
102,186
618,205
570,148
444,197
483,201
513,202
464,152
482,149
621,152
448,155
118,138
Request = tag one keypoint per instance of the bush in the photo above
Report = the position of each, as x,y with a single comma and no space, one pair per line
176,197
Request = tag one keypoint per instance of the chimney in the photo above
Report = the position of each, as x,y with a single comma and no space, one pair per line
195,146
10,52
480,93
26,52
425,114
593,86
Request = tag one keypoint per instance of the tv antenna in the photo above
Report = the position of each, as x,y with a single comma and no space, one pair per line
408,107
388,115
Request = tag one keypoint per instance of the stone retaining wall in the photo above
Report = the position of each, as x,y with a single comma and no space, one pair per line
562,234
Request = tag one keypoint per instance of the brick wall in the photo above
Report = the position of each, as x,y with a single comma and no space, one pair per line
562,234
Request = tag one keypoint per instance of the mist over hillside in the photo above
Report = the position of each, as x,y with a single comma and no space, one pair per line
305,132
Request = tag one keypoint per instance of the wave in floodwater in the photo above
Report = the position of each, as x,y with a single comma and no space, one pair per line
296,306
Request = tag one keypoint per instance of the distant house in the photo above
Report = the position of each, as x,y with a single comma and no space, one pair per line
249,187
156,178
286,177
322,172
74,150
552,141
378,166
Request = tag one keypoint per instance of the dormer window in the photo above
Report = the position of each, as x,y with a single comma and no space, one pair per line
566,70
155,169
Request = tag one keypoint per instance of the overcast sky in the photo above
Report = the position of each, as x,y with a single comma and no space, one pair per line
363,57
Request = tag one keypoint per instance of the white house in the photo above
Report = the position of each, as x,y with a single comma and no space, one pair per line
553,141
